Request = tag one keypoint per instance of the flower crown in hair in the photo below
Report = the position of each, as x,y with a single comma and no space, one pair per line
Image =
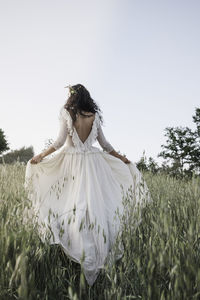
72,90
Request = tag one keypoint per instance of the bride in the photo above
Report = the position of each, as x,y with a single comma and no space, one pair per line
77,191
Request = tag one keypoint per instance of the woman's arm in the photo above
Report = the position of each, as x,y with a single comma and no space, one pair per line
108,147
36,159
123,158
56,145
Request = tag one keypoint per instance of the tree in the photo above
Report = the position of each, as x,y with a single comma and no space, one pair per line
196,153
3,143
149,164
196,120
181,152
182,147
142,164
21,155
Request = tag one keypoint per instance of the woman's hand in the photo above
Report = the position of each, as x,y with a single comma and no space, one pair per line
124,159
36,159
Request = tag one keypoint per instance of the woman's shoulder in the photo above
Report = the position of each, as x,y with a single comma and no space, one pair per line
65,118
63,113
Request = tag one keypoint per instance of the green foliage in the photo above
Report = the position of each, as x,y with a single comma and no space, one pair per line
3,142
149,164
161,258
182,148
196,119
181,152
21,155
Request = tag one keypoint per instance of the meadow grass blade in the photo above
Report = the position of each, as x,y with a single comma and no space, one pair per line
161,243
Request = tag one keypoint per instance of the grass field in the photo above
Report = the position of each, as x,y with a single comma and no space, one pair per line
161,258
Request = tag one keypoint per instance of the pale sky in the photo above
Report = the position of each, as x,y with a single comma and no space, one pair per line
139,59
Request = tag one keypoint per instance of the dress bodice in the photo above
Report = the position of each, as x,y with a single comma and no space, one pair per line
69,132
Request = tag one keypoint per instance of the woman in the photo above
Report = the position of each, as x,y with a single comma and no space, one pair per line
77,191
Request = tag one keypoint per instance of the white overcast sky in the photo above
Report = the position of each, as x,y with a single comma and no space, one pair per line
140,60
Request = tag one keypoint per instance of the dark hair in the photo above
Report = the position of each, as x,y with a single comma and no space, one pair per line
80,101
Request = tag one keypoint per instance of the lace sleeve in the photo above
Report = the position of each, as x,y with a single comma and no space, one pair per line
102,140
62,135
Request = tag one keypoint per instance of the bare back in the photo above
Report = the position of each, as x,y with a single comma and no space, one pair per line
83,125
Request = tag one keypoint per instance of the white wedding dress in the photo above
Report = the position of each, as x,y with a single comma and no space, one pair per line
76,192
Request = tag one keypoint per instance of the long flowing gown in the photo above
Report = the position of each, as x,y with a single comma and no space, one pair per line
76,193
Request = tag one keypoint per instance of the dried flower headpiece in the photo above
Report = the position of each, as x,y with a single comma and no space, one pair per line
72,90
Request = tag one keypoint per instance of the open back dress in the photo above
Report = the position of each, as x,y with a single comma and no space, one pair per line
76,192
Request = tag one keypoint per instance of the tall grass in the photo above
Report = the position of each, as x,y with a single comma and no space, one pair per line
161,255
